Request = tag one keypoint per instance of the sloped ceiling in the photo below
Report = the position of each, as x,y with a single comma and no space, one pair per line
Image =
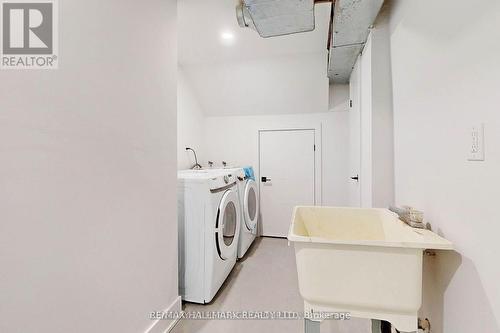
247,74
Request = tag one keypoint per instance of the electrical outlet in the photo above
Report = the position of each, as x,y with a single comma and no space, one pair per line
476,142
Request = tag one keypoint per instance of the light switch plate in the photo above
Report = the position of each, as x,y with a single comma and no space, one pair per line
476,143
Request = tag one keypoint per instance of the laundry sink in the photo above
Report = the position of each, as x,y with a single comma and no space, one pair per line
363,261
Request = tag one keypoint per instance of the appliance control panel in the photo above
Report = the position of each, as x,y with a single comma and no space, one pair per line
222,181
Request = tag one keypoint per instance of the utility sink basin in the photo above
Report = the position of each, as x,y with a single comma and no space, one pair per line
363,261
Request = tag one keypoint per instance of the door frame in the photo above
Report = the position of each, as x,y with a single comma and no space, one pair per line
318,197
356,103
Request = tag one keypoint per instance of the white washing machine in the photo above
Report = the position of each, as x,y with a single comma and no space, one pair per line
209,228
249,203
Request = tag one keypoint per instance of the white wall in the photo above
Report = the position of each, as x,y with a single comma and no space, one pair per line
446,76
338,97
235,140
382,112
190,124
367,140
240,97
296,83
376,113
87,173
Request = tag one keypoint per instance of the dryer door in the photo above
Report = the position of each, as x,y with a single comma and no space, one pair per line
251,205
227,226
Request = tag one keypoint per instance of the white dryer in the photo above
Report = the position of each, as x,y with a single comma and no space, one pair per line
209,228
249,203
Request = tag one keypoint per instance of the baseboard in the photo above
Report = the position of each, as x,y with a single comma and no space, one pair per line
166,325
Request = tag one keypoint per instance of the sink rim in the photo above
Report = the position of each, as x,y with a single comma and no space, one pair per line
422,238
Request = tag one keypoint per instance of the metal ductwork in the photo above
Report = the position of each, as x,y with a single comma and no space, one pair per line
276,17
350,25
352,20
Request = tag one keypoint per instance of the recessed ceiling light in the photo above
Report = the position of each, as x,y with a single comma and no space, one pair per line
227,37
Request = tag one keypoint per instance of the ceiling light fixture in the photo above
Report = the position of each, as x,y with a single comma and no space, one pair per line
227,37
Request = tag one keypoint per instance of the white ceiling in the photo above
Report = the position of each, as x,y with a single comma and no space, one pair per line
201,23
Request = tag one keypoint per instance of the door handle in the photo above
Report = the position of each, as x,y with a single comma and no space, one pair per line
265,179
356,178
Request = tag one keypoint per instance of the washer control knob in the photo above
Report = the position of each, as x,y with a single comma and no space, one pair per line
226,179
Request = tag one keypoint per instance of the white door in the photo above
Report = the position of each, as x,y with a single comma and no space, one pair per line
355,137
287,173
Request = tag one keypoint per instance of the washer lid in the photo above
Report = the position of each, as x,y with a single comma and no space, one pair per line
251,205
227,226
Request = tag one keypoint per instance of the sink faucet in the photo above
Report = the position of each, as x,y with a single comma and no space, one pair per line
196,166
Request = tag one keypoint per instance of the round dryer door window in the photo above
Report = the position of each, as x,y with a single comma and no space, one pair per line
251,202
228,225
229,229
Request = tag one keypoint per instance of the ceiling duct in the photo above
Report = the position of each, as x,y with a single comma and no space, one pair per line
351,24
276,17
